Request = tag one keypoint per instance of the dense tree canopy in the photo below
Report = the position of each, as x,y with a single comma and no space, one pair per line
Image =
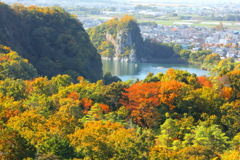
175,115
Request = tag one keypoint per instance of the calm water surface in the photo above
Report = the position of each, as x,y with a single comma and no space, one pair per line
127,71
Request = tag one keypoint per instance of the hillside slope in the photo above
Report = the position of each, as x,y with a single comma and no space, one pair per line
51,39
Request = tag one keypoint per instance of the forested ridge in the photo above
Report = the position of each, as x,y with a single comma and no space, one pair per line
51,39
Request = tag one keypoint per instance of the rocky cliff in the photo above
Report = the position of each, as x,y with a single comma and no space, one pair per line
124,46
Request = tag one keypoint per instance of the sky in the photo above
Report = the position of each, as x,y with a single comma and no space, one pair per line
146,1
190,1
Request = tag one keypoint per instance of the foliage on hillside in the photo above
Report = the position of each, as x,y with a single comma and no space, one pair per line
13,66
157,50
51,39
176,115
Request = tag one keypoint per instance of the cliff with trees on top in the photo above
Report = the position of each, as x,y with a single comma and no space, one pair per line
121,39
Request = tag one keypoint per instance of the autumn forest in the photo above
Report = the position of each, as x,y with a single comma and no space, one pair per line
73,112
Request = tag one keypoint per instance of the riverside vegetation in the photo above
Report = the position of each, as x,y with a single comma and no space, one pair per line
175,115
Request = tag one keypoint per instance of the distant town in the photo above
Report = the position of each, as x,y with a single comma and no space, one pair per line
222,41
212,27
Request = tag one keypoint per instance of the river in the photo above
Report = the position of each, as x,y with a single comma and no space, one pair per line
127,71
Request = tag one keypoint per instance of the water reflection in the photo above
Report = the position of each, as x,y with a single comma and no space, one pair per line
120,68
127,71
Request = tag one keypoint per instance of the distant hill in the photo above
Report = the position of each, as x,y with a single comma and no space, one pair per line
120,39
51,39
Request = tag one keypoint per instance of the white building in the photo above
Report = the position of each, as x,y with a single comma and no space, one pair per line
186,33
224,41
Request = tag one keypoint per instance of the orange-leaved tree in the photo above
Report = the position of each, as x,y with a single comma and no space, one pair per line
168,93
146,101
141,99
